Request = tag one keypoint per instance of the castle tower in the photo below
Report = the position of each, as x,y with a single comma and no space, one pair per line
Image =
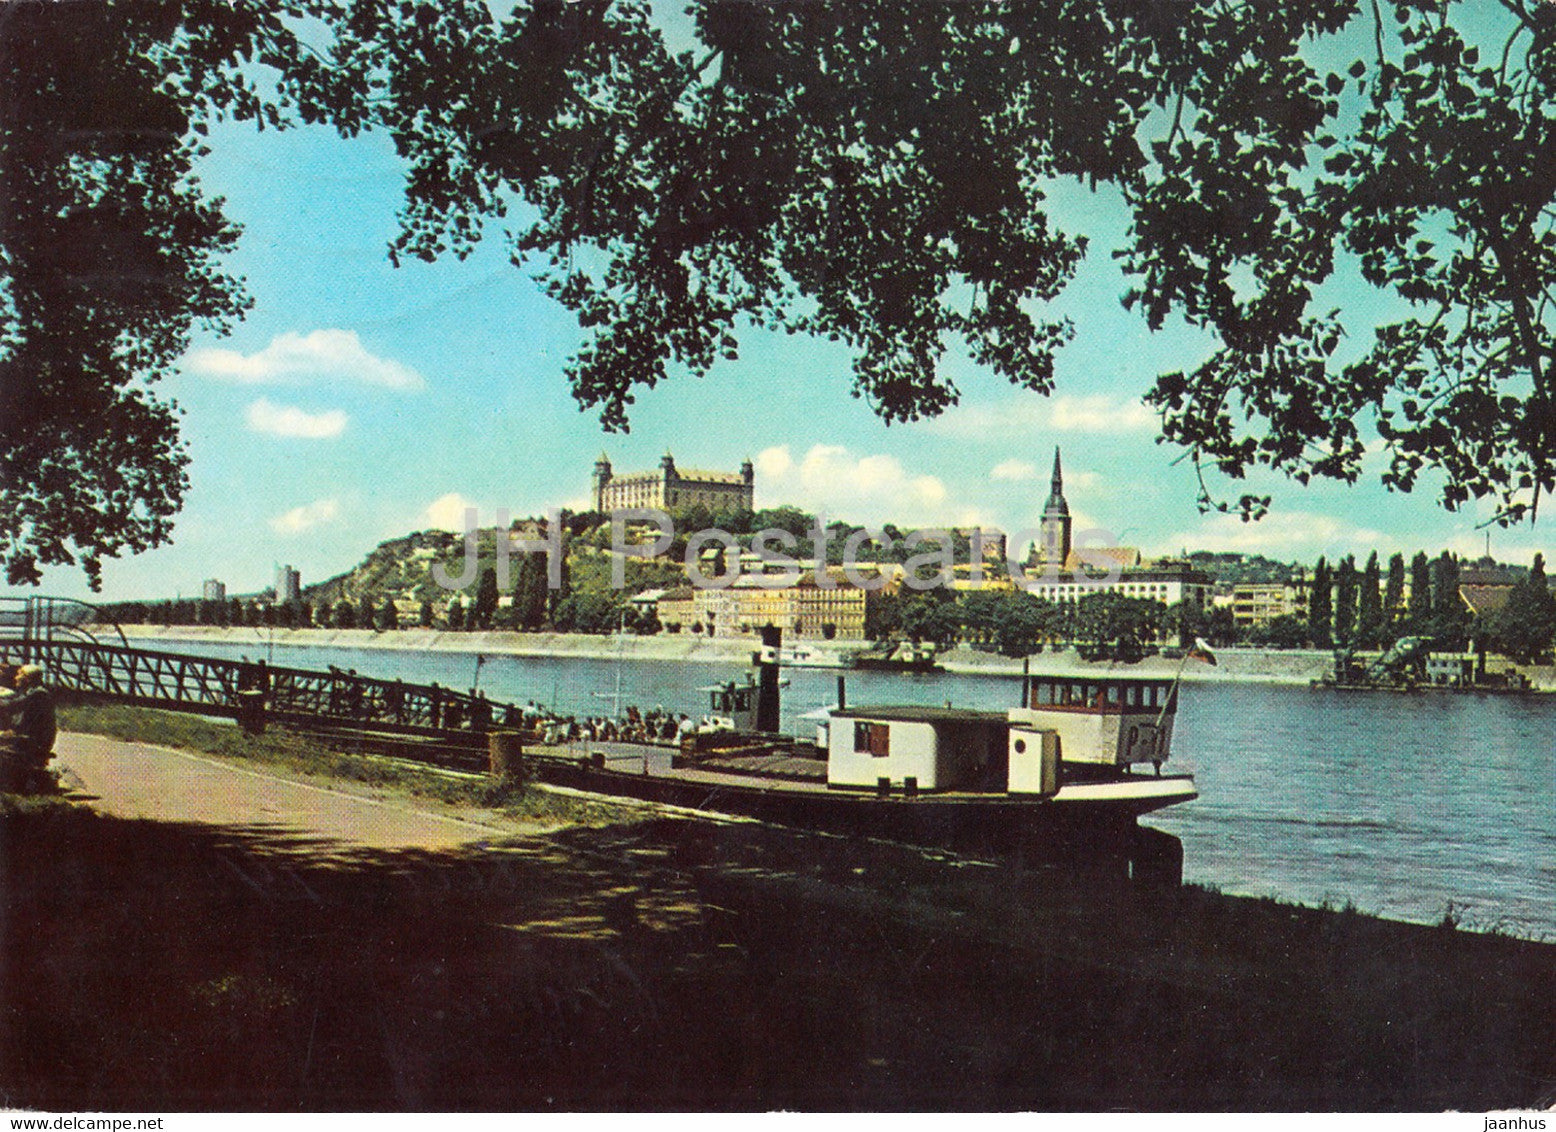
602,478
1056,520
667,473
748,472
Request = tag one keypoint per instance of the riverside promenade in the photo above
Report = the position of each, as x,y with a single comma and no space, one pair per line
1237,665
142,781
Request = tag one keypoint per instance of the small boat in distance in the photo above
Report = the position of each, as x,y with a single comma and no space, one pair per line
902,657
805,656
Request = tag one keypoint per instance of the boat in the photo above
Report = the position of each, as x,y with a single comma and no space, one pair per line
1411,665
902,657
1066,773
804,656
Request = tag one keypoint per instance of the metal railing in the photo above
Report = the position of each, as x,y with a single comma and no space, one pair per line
37,618
216,686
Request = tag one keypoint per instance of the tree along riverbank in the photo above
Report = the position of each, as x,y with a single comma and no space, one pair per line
1235,664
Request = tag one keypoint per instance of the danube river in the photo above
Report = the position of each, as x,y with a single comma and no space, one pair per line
1405,806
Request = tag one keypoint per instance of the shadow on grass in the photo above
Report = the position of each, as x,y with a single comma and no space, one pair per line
687,964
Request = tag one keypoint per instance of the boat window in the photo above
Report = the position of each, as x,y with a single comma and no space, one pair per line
1113,694
1133,693
1077,694
872,739
1151,695
1042,695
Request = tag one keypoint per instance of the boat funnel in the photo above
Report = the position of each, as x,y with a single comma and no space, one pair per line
767,680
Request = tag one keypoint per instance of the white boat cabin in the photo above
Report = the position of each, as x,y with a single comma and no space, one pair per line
1114,721
731,707
912,748
1111,721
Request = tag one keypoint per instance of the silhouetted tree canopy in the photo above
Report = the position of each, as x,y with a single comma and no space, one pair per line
872,171
110,254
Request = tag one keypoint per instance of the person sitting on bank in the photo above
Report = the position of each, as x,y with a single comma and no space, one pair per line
29,742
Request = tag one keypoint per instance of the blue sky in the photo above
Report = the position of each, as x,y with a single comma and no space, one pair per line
360,401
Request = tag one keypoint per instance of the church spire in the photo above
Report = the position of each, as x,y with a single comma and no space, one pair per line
1056,502
1056,520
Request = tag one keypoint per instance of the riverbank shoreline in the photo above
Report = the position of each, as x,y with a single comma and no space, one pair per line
1235,665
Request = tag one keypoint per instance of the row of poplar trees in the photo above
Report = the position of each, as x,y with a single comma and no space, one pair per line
1364,609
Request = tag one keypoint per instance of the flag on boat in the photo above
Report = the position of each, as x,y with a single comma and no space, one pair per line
1202,651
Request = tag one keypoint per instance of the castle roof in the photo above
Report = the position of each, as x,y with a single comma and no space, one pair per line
700,476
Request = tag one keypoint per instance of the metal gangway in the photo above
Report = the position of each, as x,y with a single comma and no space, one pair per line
424,721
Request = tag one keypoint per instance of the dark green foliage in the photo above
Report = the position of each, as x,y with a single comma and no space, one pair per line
388,615
555,596
1345,592
529,593
1235,568
1220,626
798,523
1110,626
589,611
1420,595
486,597
1320,614
1184,621
1014,622
1393,597
109,255
1524,627
1450,618
874,172
1369,605
1283,632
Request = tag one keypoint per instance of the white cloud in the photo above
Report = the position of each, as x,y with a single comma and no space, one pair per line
289,420
1022,417
1282,534
306,517
1013,471
294,358
1101,413
832,480
447,513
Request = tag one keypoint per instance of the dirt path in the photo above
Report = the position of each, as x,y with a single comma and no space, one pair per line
137,780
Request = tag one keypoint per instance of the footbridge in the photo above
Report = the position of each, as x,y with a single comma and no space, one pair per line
83,655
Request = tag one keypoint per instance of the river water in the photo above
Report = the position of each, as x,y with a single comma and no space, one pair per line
1405,806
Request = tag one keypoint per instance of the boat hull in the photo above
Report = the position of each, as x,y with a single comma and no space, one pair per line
1087,819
